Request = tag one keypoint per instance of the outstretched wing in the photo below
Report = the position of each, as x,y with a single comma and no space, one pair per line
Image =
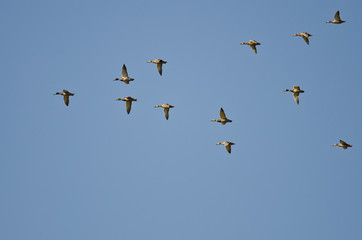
159,68
222,113
124,71
166,110
228,148
296,87
253,46
343,142
128,106
336,16
66,99
296,97
306,39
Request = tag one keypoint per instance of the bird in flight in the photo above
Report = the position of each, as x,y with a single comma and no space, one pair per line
124,77
342,144
337,19
296,90
166,108
227,145
159,63
66,95
223,119
304,35
128,101
252,44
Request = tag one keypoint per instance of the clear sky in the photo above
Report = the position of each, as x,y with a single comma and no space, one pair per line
90,171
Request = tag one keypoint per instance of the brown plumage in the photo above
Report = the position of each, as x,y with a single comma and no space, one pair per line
124,77
159,63
337,19
342,144
66,95
252,44
296,91
227,145
166,108
223,119
304,35
128,101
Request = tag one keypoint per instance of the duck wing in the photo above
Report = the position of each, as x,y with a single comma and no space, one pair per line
159,68
124,71
296,97
343,142
166,110
66,99
253,46
336,16
228,148
128,106
306,39
222,113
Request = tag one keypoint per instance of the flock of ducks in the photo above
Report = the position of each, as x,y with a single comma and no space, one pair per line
304,35
223,119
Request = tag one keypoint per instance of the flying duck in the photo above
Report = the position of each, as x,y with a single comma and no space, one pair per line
128,101
159,63
66,95
223,119
166,108
124,77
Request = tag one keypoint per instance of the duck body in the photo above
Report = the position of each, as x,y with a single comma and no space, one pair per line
296,91
337,19
128,101
66,95
252,44
227,145
159,63
342,144
223,119
124,77
166,108
304,35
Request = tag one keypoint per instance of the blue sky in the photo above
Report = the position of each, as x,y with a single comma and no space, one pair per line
90,171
